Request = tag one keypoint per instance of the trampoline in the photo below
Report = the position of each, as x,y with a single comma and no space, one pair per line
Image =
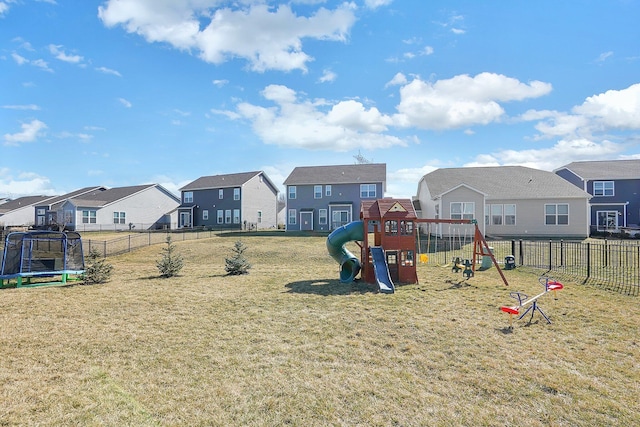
37,258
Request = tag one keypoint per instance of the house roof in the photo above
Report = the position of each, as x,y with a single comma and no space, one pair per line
224,181
97,199
22,202
503,182
343,174
388,208
59,200
605,169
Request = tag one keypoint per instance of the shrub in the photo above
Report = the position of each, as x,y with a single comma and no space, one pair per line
237,264
97,269
171,262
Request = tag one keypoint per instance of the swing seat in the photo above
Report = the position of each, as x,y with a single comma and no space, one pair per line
510,310
554,286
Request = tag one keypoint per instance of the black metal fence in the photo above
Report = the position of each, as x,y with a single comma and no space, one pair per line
614,265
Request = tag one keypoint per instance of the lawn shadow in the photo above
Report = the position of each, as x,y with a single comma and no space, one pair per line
329,287
457,285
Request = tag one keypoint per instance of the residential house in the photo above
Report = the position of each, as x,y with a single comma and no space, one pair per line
615,189
239,200
506,201
19,212
48,211
323,198
139,207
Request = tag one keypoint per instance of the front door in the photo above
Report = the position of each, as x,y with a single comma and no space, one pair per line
185,219
392,263
306,221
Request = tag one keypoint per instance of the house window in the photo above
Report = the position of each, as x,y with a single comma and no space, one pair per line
236,216
220,194
260,212
509,214
462,210
607,220
322,216
292,217
220,214
496,214
391,227
188,197
367,191
327,190
119,218
406,258
292,192
603,188
236,194
227,216
205,214
317,191
556,214
89,217
406,228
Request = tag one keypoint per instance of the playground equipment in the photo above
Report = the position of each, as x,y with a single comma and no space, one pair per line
531,304
386,234
349,263
31,256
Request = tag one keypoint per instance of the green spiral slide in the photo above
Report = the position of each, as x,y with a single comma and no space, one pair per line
349,263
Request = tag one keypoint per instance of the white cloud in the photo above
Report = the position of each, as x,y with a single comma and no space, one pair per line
398,79
316,124
4,7
462,100
220,83
24,184
20,60
124,102
604,56
608,111
374,4
267,38
32,107
328,76
60,54
561,153
106,70
29,133
40,63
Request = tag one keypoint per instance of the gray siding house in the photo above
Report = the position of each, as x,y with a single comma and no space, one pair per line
323,198
48,212
238,201
139,207
19,212
615,189
506,201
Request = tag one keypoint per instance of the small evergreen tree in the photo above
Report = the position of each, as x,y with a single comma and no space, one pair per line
97,269
237,264
171,262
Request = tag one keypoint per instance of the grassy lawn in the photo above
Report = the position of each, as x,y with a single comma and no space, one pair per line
288,344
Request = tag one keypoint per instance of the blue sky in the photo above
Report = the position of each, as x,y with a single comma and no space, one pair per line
128,92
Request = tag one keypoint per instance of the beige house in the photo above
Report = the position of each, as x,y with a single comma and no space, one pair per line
506,201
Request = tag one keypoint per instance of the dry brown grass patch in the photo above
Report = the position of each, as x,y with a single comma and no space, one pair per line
288,344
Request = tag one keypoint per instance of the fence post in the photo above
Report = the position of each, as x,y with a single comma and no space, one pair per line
105,248
562,252
550,249
521,253
588,260
129,242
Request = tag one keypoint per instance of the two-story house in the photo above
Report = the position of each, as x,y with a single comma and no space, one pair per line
323,198
507,201
615,187
237,201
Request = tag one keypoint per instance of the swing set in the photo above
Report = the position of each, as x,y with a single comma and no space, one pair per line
480,247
